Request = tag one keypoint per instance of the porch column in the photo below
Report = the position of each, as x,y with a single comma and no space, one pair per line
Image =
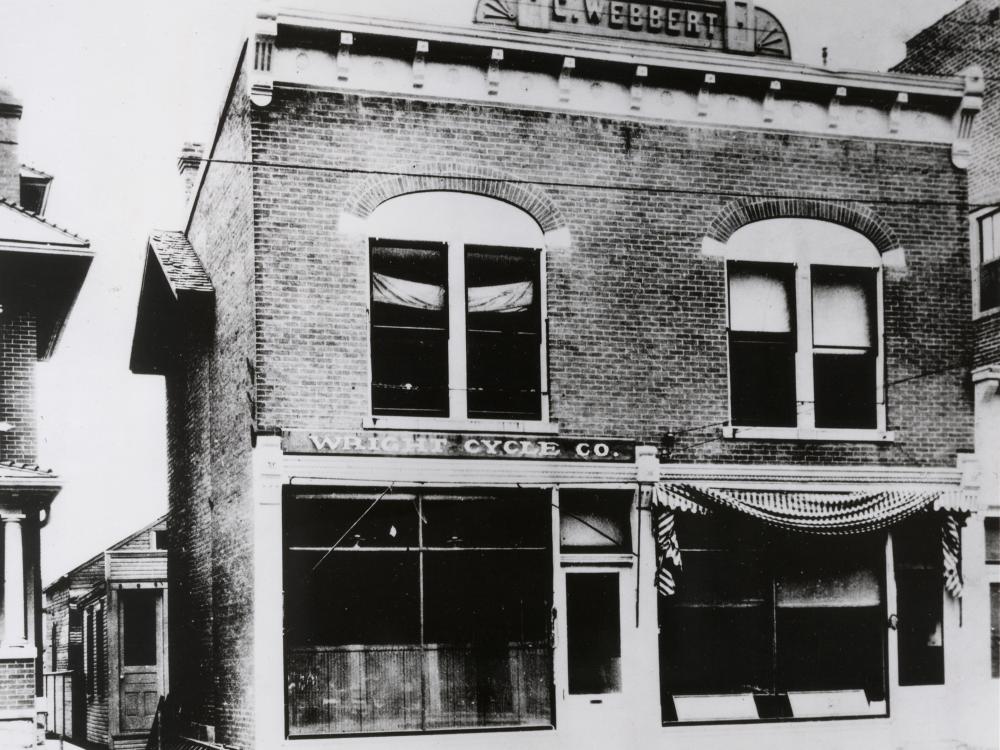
13,580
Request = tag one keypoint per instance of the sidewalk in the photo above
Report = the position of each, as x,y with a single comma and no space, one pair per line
56,745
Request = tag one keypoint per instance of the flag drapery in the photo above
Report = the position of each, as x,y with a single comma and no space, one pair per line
827,513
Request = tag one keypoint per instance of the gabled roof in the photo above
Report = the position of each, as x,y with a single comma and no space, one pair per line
181,266
36,174
174,283
18,226
99,557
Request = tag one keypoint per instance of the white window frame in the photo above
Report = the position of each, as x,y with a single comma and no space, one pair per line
804,243
466,219
975,255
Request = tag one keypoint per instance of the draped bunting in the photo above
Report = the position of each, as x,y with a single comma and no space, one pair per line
668,551
828,513
951,547
498,298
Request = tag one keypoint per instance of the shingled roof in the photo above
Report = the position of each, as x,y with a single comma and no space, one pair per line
181,265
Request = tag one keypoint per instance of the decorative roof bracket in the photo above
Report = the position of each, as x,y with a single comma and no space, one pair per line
261,76
972,102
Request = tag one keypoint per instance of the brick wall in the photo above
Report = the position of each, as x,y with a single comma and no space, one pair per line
210,557
968,36
17,684
632,288
17,387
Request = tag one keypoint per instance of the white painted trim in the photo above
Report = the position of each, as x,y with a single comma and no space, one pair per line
13,651
635,53
810,433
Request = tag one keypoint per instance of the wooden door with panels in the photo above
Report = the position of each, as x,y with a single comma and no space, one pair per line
140,654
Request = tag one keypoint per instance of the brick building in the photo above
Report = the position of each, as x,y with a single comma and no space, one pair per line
41,269
970,35
569,370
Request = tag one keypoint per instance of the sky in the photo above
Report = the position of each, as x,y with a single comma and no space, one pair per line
111,90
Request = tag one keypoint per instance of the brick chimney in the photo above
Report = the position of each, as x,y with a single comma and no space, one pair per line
188,164
10,164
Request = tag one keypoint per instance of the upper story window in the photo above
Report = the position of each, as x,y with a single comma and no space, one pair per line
805,345
987,261
456,309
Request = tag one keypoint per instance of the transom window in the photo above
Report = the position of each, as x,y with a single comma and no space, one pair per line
989,261
456,313
805,349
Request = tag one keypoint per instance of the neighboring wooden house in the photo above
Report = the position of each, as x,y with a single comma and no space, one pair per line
106,625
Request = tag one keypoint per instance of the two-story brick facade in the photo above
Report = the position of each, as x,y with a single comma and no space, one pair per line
590,369
41,269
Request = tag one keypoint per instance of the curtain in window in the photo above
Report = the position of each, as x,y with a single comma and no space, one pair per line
498,298
826,513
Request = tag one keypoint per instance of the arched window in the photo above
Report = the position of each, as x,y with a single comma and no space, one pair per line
456,309
805,339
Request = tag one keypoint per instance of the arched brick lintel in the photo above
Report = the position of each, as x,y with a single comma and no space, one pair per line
480,181
858,217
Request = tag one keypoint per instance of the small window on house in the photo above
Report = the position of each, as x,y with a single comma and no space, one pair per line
89,652
456,323
139,628
919,601
100,650
762,344
989,261
160,539
992,530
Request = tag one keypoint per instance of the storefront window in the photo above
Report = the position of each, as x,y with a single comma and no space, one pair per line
764,626
433,612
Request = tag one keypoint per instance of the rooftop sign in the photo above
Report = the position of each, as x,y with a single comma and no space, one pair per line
709,24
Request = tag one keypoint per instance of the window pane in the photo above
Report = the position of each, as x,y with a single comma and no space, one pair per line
762,381
503,333
409,334
989,285
592,521
494,519
760,297
995,629
391,522
990,249
139,628
844,388
593,630
843,307
992,531
487,620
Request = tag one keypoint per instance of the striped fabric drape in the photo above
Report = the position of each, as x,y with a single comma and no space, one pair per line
827,513
951,547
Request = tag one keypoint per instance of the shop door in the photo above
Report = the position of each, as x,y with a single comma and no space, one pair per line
592,632
140,643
